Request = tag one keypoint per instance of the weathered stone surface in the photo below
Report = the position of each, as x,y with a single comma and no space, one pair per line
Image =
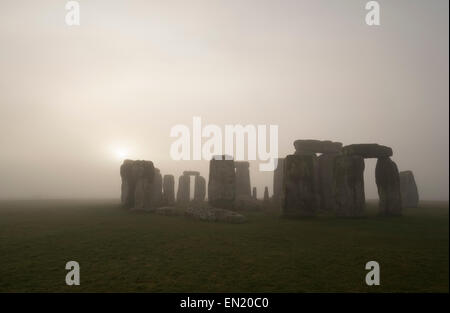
368,150
388,183
243,187
408,188
191,173
300,194
241,164
208,213
316,146
144,172
254,194
199,188
278,180
348,186
184,189
156,189
142,194
212,214
169,189
137,177
305,153
266,194
128,184
326,178
222,183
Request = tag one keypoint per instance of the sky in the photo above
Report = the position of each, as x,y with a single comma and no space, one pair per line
76,100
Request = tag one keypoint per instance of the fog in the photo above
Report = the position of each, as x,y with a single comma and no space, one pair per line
76,100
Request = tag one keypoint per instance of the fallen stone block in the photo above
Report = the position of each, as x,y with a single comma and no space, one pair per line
211,214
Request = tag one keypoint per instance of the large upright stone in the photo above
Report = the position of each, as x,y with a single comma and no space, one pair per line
278,181
169,189
222,182
408,189
128,184
348,186
199,188
144,172
300,194
137,177
309,146
326,179
388,183
254,195
184,189
156,190
243,187
266,194
368,150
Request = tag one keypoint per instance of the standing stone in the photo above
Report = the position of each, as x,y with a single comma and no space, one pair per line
169,189
266,194
142,194
222,182
199,188
408,188
254,195
278,181
156,190
388,183
184,189
348,186
136,179
144,173
300,194
243,187
128,184
326,178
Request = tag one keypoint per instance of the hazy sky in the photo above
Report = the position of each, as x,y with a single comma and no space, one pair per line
71,97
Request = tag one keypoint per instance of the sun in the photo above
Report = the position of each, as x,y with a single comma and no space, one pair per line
121,153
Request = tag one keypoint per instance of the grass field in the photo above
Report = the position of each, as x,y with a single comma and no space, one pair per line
121,251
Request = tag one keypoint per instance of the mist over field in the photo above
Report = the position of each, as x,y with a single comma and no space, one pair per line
76,101
115,116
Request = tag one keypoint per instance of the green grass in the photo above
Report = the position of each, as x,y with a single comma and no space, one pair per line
121,251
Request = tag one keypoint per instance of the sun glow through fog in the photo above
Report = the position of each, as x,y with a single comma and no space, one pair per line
120,153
